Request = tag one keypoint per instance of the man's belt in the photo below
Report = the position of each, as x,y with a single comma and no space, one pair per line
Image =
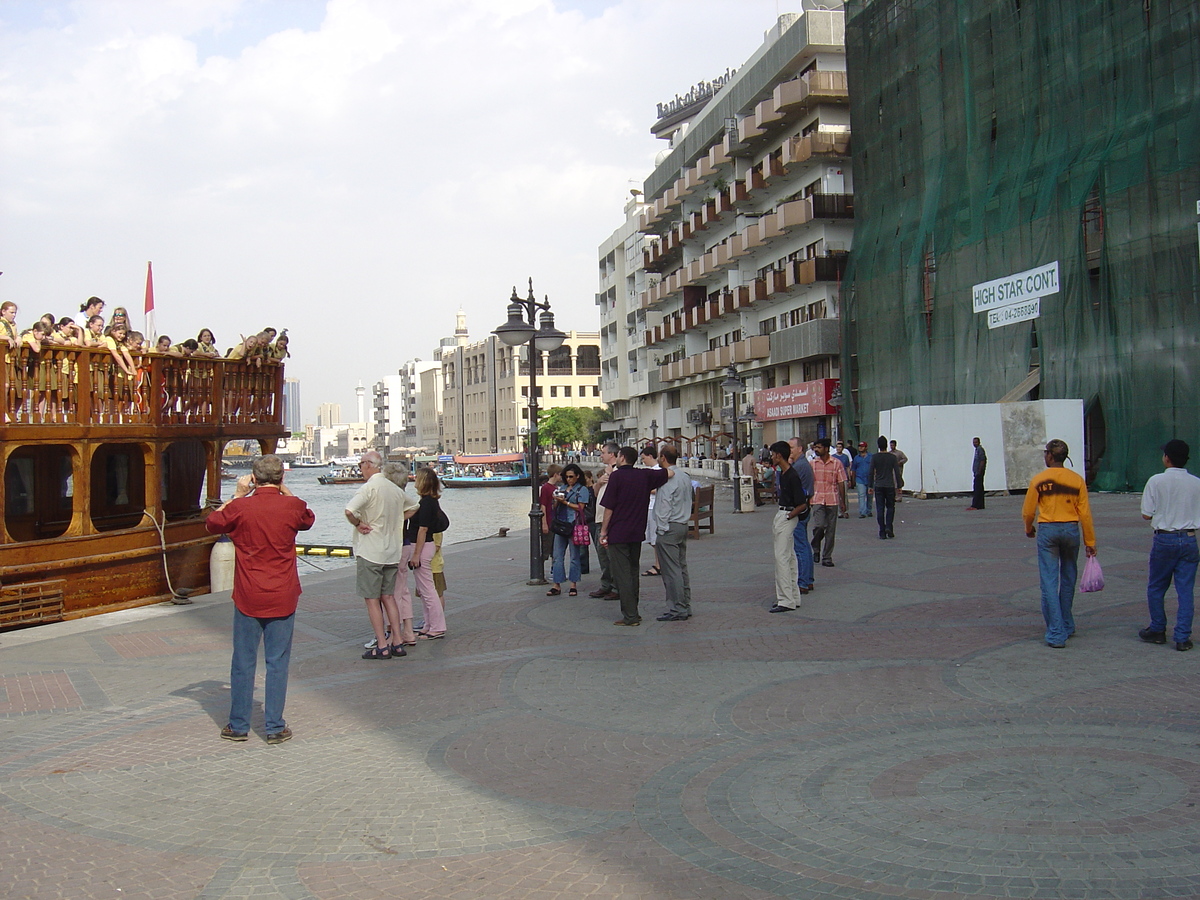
1190,532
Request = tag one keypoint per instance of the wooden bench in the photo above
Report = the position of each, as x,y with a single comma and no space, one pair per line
702,511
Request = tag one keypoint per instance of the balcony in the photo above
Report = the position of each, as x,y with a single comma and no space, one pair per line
818,144
715,361
801,94
831,267
808,340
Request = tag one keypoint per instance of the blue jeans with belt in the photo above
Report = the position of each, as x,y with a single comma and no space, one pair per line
1172,556
276,637
1058,565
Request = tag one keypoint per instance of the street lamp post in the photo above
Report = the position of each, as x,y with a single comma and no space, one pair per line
518,330
734,385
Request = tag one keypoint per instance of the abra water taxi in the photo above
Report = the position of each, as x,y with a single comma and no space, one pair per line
347,475
108,478
488,470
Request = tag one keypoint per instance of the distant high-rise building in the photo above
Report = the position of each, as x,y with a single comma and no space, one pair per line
329,414
293,420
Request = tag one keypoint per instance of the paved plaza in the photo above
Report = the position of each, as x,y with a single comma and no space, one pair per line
905,734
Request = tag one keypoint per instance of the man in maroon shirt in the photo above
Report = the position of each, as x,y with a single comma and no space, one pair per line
546,501
262,519
626,502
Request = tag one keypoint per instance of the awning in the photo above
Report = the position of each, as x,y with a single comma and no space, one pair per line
484,459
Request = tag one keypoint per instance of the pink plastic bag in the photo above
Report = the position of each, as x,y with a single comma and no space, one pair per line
1093,578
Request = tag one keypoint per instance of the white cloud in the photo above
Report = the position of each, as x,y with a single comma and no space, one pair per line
355,172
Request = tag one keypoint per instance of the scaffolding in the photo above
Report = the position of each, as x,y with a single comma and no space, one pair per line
997,136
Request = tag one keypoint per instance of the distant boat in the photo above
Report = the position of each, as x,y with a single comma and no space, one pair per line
345,475
343,461
488,470
307,462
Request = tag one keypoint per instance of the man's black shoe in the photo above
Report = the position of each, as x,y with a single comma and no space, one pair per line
777,609
598,594
1153,637
1183,645
827,562
672,617
1055,646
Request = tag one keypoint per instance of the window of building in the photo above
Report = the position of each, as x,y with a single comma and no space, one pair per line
566,390
554,390
673,399
766,326
595,390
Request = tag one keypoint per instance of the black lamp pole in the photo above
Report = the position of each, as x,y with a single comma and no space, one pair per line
520,329
734,385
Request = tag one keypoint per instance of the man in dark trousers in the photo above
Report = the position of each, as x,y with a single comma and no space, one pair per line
978,467
262,519
884,480
626,502
607,589
1171,502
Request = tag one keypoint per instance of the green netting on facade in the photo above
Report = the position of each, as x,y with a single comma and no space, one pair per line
994,136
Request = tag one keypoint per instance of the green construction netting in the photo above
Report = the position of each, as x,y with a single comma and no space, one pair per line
994,136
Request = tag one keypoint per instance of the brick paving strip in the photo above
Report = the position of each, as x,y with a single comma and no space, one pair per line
904,734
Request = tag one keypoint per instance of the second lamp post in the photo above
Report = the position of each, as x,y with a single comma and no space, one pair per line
518,330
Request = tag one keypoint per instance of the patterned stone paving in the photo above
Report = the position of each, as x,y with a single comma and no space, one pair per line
905,734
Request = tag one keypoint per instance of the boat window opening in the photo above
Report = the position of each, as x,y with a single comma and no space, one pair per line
184,465
38,492
118,486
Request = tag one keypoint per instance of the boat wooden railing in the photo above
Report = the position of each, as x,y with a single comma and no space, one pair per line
81,386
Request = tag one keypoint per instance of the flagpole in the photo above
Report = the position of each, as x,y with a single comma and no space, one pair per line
151,334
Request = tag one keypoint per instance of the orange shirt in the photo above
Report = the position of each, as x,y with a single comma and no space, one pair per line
1059,495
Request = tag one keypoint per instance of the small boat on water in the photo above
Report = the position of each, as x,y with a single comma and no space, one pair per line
307,462
488,470
345,475
342,461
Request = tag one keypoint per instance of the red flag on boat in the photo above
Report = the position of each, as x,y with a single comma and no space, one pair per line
151,335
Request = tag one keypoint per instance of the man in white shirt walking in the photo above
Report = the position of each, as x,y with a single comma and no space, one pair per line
1171,501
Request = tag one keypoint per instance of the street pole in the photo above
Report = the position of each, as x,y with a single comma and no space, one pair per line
521,329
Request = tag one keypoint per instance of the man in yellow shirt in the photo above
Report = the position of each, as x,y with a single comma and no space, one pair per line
1059,498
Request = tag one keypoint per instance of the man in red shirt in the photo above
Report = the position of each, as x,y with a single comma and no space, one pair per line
546,501
828,501
262,519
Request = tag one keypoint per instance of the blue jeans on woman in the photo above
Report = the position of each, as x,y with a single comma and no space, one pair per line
1058,566
1172,556
276,637
558,571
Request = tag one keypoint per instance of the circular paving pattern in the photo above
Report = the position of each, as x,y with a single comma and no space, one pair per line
945,805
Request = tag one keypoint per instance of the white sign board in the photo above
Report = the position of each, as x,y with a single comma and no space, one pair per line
1018,312
1019,288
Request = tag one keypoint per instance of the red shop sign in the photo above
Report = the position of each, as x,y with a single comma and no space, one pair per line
795,401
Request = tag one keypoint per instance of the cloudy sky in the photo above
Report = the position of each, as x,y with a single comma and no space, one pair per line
353,170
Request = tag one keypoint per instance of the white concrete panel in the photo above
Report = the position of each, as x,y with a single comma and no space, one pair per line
906,432
947,451
937,440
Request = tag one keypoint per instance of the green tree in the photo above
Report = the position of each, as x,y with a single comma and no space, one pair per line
561,426
594,417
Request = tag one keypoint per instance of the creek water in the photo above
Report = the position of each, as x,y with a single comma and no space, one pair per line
474,512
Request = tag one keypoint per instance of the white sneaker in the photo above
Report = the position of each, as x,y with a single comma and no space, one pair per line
371,644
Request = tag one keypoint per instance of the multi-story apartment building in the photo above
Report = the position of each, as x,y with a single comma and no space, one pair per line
744,230
486,389
293,416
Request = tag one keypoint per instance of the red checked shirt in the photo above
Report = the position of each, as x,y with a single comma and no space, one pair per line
827,475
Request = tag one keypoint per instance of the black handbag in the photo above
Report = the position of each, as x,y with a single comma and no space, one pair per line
559,526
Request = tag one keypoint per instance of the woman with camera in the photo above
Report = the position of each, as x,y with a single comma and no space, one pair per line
570,501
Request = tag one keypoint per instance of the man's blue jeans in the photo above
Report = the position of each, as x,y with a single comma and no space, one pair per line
1172,556
804,554
276,637
1058,565
864,500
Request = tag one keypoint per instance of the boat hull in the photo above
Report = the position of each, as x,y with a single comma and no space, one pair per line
497,481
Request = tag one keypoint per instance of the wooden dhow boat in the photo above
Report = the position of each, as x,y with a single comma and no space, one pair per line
108,477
